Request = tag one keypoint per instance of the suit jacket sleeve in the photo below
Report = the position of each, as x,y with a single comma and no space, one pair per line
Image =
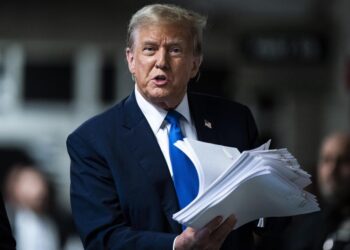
96,207
7,242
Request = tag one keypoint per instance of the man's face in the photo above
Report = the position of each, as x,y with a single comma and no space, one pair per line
334,169
162,61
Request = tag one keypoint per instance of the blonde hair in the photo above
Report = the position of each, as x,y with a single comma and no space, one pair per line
168,13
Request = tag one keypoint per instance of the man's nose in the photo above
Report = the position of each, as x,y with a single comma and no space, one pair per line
162,60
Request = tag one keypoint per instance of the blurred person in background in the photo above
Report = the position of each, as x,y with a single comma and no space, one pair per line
7,241
27,194
330,228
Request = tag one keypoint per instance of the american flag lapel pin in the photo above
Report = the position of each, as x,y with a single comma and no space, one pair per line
207,124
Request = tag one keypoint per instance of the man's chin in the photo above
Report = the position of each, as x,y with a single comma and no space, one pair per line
164,99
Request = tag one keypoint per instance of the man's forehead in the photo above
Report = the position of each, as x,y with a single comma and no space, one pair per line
155,30
336,144
338,139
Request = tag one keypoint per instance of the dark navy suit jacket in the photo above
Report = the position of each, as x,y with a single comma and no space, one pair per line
6,240
122,194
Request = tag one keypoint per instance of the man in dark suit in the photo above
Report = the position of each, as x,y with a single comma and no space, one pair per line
7,242
122,189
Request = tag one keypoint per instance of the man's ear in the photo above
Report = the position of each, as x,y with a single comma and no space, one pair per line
197,61
130,58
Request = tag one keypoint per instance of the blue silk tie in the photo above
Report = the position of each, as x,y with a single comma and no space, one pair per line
184,172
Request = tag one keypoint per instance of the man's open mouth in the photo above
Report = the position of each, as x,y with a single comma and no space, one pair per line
160,78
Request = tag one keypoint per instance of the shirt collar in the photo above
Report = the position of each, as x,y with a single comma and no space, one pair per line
156,115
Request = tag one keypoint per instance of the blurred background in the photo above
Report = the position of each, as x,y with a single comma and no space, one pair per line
63,61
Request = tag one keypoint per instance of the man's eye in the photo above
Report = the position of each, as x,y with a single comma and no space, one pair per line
175,50
148,50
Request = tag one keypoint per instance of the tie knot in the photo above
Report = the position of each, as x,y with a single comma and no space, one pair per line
173,117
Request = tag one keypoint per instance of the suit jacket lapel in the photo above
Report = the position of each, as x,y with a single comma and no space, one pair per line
144,145
204,121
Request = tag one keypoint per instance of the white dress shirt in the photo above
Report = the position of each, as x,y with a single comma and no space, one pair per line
155,117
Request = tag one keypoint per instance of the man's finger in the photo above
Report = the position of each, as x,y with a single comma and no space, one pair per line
225,228
209,228
214,224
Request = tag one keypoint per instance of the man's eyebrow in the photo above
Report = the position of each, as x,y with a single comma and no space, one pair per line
176,43
169,43
149,42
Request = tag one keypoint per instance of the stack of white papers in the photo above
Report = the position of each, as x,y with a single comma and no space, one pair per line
251,185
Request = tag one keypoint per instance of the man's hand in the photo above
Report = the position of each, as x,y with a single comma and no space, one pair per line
209,237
